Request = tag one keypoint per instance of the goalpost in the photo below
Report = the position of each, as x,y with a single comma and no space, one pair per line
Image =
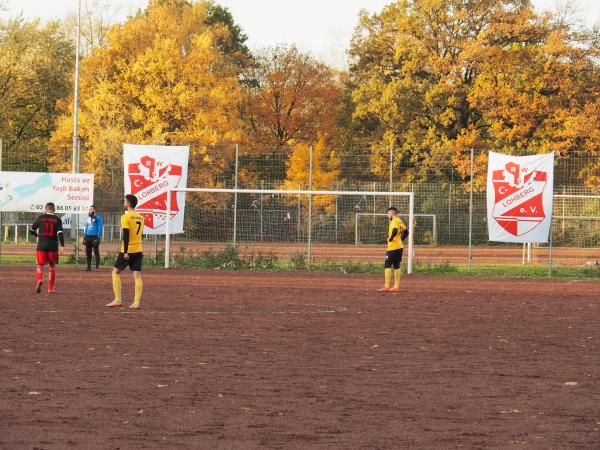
309,194
568,208
568,212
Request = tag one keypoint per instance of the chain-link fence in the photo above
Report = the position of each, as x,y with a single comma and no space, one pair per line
450,205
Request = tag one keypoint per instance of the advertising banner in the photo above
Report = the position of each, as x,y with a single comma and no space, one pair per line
30,191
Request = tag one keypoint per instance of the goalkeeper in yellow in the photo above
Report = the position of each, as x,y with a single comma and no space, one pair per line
131,253
396,233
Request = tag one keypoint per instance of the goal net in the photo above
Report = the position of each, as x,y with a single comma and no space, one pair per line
575,233
576,228
293,225
370,225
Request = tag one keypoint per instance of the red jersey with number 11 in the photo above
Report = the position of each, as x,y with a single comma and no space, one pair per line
47,227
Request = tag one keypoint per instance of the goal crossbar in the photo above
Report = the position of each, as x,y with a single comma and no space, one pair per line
596,197
410,195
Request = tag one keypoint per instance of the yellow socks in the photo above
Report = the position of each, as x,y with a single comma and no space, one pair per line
138,290
116,282
397,273
388,277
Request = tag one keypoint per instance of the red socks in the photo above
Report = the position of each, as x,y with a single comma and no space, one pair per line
52,273
39,273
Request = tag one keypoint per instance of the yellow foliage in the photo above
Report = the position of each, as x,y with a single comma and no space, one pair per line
326,171
159,79
435,78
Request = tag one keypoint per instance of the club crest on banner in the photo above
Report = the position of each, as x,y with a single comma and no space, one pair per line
520,197
519,206
150,179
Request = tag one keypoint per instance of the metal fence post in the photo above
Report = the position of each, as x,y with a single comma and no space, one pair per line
550,252
411,235
235,195
374,199
337,188
310,188
262,188
1,211
391,174
449,212
470,258
168,232
563,212
299,214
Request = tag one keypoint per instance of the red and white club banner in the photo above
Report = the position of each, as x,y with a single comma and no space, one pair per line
519,197
150,171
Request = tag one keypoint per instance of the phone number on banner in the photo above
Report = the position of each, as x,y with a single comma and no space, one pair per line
59,208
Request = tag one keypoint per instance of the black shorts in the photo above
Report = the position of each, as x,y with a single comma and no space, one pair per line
89,241
134,262
393,258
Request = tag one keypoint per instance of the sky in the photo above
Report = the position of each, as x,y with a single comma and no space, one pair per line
323,27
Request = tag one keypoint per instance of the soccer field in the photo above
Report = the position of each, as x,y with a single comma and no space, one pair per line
242,360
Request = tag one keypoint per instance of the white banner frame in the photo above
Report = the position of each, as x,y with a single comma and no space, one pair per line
520,197
151,172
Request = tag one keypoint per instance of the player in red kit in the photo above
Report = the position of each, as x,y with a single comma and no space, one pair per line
49,231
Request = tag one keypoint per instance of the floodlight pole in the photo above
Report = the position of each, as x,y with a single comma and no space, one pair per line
75,157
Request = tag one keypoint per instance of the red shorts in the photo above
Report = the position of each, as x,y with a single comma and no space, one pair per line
44,258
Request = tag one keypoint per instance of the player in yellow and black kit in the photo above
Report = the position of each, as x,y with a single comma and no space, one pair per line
131,253
396,232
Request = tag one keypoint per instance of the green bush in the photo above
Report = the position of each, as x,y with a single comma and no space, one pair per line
228,258
593,240
298,261
260,261
439,269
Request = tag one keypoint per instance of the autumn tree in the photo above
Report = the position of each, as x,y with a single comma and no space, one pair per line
536,92
433,77
35,62
292,97
326,166
232,43
161,77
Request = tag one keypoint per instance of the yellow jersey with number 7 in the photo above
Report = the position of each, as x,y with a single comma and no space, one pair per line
133,222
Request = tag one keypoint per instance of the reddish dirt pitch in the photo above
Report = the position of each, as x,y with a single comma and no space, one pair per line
228,360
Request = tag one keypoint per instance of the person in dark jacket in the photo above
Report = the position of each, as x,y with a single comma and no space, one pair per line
92,234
